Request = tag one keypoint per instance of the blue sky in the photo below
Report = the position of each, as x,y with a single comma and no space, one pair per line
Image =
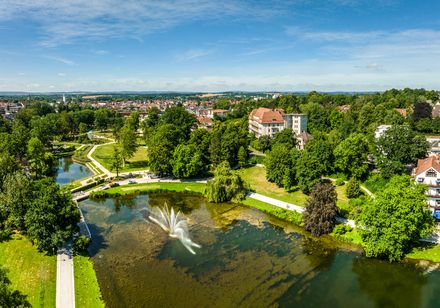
211,45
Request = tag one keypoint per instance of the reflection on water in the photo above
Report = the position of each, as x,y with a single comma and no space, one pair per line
69,171
244,261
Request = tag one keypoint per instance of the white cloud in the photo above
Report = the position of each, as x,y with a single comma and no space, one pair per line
193,54
66,21
60,60
61,74
100,52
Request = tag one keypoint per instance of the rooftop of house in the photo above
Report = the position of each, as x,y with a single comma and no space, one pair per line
426,164
266,115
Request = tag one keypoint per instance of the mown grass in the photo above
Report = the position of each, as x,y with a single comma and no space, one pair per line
256,177
290,216
87,290
31,272
425,251
104,155
139,188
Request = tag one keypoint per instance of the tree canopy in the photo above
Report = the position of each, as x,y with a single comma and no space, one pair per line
395,220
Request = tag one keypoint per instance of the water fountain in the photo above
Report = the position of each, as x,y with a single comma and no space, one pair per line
174,224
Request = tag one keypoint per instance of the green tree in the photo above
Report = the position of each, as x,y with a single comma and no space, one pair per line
309,171
40,161
52,217
117,161
353,189
127,142
395,220
15,199
286,137
322,148
181,118
226,185
397,147
242,157
321,211
351,155
277,162
201,139
187,161
161,147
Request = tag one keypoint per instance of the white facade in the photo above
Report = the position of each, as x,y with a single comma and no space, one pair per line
431,177
265,129
296,122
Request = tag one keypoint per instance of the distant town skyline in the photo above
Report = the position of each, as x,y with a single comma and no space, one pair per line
212,46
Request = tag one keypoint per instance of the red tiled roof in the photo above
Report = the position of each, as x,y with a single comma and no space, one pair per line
266,115
427,163
402,111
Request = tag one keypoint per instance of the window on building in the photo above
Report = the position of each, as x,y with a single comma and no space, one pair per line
431,173
420,180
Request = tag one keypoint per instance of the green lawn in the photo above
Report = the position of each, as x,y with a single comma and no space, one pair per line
87,291
256,177
133,188
104,155
290,216
31,272
426,251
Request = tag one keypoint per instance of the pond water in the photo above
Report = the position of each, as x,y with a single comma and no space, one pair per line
69,171
247,259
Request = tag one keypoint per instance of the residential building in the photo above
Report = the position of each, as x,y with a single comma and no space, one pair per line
296,122
380,130
268,122
434,146
428,172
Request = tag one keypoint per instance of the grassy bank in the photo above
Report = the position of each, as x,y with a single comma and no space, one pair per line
87,291
290,216
31,272
146,187
104,155
256,177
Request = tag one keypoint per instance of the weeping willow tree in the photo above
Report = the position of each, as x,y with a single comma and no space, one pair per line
226,185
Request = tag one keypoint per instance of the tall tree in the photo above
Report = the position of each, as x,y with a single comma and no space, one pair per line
226,185
286,137
187,161
397,147
127,142
161,147
40,161
117,161
351,155
395,220
278,162
321,211
53,217
181,118
308,172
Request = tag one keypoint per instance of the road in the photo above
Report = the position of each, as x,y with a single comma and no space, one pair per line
65,293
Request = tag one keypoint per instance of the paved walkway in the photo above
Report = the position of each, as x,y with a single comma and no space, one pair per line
98,164
65,292
293,207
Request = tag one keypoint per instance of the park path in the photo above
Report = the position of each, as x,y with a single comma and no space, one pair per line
293,207
98,164
65,284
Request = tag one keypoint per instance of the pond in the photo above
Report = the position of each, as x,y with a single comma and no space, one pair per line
247,259
69,171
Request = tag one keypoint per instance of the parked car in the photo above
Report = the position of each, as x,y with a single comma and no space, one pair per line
132,182
436,214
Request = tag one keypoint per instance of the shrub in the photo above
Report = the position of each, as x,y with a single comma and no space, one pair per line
340,182
353,188
81,243
341,229
100,194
